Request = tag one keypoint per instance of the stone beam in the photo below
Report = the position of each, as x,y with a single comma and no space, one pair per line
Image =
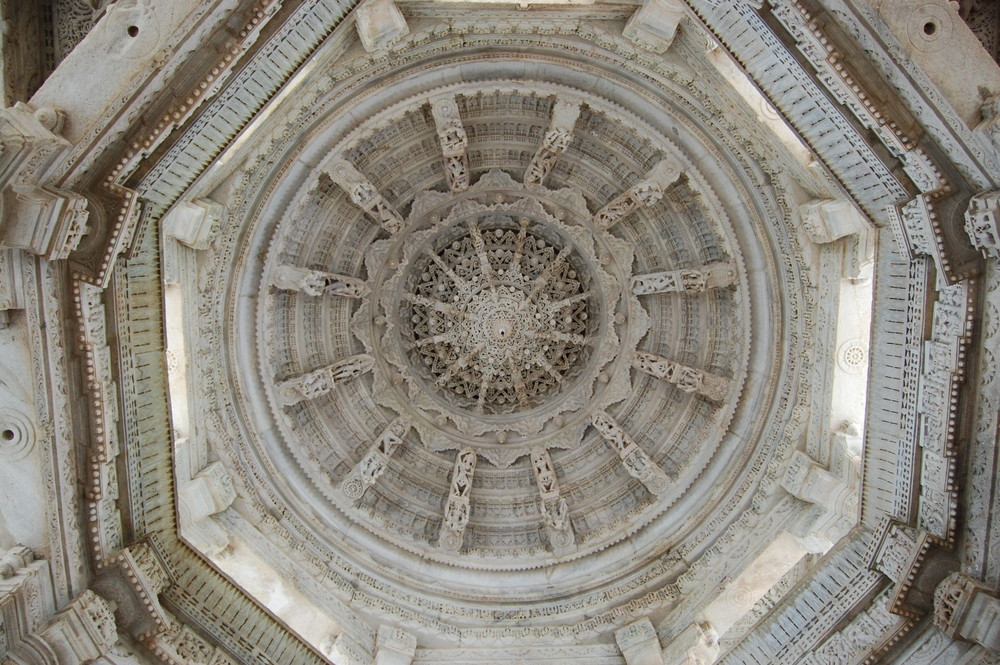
557,138
688,379
454,142
456,511
318,283
376,461
364,195
634,459
646,192
321,381
552,506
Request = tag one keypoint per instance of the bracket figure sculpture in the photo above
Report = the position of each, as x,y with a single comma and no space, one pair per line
454,141
634,459
318,283
364,195
321,381
557,138
644,193
552,506
376,461
691,280
456,510
688,379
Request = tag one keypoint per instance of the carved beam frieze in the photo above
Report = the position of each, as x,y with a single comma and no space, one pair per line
967,609
635,460
380,24
193,223
553,507
654,25
646,192
557,138
376,461
691,280
639,644
688,379
181,645
456,510
394,646
982,223
454,142
942,374
318,283
364,195
321,381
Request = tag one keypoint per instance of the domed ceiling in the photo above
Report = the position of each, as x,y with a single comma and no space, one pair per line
411,332
516,338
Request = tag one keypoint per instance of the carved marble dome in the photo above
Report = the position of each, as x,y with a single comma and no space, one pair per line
502,332
413,332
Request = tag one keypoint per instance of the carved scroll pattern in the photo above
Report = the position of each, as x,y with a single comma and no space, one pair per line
364,195
456,510
644,193
634,459
321,381
688,379
553,507
554,143
454,141
318,283
376,461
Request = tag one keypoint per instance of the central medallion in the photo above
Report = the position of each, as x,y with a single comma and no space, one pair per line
503,318
498,318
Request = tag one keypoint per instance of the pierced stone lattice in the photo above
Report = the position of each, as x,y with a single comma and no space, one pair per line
499,317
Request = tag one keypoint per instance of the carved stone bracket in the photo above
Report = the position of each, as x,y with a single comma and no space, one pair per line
982,223
453,140
133,579
557,138
915,560
634,459
639,644
317,283
193,223
553,507
364,195
646,192
209,492
376,461
826,221
964,608
688,379
394,646
654,25
43,220
321,381
456,510
693,280
380,24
